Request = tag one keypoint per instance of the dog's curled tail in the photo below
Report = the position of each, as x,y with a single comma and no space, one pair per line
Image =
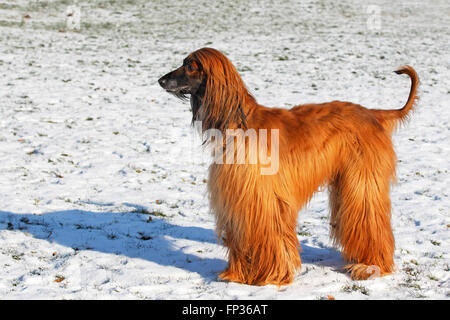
390,119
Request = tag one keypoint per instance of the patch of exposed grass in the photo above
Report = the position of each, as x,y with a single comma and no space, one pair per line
157,213
355,288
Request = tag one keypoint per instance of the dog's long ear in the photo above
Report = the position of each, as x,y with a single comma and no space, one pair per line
225,93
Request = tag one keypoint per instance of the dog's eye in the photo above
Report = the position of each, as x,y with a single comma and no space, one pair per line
191,68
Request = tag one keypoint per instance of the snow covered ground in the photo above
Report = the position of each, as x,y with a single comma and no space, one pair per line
102,180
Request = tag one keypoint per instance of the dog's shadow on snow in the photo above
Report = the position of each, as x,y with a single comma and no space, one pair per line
139,234
130,234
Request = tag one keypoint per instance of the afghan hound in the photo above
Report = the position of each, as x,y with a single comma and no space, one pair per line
337,144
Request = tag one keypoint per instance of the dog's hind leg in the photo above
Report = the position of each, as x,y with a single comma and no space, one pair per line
360,217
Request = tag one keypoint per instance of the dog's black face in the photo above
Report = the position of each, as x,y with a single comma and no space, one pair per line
185,80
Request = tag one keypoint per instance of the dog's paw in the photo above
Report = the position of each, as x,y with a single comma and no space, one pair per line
359,271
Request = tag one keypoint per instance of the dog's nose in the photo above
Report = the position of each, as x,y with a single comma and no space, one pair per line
162,82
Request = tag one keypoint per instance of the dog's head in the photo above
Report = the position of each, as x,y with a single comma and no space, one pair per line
218,94
185,80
